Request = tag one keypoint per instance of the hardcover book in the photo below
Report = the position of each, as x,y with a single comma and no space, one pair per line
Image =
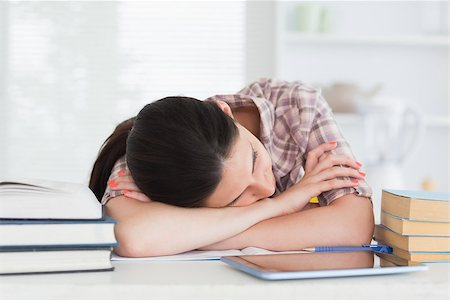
412,243
57,232
46,199
406,226
422,256
26,260
417,205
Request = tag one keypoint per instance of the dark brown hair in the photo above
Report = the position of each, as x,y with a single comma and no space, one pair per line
112,149
175,150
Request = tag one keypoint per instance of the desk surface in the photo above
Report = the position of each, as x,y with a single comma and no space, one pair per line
215,280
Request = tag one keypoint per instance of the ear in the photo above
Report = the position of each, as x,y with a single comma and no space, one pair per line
225,108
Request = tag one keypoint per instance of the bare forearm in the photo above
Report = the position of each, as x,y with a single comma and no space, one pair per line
149,229
347,221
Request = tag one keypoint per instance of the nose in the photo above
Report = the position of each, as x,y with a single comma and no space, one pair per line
263,186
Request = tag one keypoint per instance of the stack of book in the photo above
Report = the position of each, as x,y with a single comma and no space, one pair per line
49,226
416,225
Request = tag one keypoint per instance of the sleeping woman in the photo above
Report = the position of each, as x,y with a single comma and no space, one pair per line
233,171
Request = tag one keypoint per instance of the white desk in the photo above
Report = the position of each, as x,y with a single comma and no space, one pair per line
215,280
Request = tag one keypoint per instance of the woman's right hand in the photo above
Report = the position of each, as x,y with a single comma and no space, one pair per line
323,172
124,182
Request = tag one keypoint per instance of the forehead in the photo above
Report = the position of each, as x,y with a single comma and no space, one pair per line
236,174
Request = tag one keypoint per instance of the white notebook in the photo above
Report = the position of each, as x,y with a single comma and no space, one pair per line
203,255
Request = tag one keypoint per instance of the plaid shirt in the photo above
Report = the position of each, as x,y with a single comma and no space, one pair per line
294,120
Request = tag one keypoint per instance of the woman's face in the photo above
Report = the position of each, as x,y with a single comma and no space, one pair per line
247,176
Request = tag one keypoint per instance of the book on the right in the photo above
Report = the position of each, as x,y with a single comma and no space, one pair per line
407,226
422,256
417,205
416,224
412,242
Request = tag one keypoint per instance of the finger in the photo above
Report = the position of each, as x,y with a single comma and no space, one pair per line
336,172
313,156
122,185
323,156
336,160
333,184
136,195
122,172
125,178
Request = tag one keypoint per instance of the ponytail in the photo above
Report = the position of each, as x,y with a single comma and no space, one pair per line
112,149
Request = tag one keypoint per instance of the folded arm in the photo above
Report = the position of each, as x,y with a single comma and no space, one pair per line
153,228
346,221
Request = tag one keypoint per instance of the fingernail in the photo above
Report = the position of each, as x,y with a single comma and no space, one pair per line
332,143
112,183
121,172
358,163
362,174
126,191
355,180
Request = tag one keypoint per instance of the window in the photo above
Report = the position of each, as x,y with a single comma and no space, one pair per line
73,70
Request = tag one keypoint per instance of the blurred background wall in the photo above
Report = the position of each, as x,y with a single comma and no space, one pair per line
70,71
74,69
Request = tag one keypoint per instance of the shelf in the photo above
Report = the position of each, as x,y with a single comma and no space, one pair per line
430,121
401,40
437,121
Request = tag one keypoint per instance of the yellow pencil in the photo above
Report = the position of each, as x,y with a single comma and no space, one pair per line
314,200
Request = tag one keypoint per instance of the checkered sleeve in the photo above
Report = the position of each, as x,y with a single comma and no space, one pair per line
324,129
109,194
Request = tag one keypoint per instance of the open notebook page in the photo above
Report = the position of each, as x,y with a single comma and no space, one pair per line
203,255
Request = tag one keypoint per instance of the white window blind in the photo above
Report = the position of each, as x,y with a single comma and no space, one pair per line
76,69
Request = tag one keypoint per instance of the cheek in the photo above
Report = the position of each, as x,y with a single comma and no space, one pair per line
246,200
268,174
266,161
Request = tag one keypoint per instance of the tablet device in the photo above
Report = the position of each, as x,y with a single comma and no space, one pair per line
321,265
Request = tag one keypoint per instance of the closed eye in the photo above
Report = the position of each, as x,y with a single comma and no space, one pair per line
255,155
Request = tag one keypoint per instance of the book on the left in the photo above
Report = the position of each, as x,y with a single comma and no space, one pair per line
30,260
50,226
20,233
46,199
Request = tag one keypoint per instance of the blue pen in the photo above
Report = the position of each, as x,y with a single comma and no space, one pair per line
365,247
